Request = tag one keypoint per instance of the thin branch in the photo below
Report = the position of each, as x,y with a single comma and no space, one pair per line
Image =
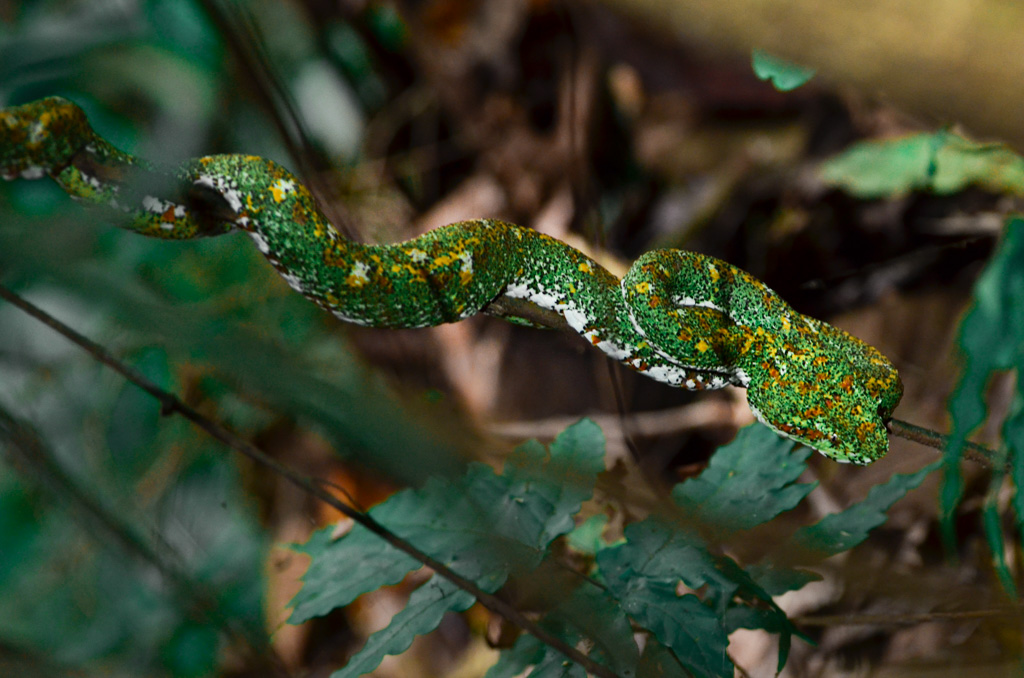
705,414
171,404
924,436
905,619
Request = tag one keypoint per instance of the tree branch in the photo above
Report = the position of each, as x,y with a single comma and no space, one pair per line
171,404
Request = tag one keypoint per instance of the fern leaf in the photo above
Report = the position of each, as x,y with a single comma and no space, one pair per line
842,531
427,605
748,482
483,525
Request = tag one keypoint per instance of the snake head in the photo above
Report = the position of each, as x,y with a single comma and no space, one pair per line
836,395
39,138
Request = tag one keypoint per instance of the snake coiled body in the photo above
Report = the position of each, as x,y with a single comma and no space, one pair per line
680,317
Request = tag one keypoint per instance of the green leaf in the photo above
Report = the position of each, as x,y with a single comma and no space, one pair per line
784,75
587,537
992,525
691,629
482,525
748,482
643,574
558,484
342,570
79,589
453,522
842,531
991,339
667,553
192,651
427,606
940,162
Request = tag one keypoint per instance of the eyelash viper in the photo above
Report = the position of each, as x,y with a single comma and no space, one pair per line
680,317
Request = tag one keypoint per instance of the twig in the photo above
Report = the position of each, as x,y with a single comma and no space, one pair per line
643,424
905,619
924,436
171,404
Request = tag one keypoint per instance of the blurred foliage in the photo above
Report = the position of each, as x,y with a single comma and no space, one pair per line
785,76
84,576
490,527
940,162
991,334
206,318
991,341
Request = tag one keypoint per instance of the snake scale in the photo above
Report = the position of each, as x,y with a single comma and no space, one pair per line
679,317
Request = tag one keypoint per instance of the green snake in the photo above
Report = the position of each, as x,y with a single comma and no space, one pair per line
679,317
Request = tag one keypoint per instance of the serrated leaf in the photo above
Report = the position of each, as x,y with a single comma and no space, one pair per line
940,162
747,482
842,531
456,523
588,613
666,553
689,628
424,611
784,75
545,661
342,570
557,484
642,575
482,525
